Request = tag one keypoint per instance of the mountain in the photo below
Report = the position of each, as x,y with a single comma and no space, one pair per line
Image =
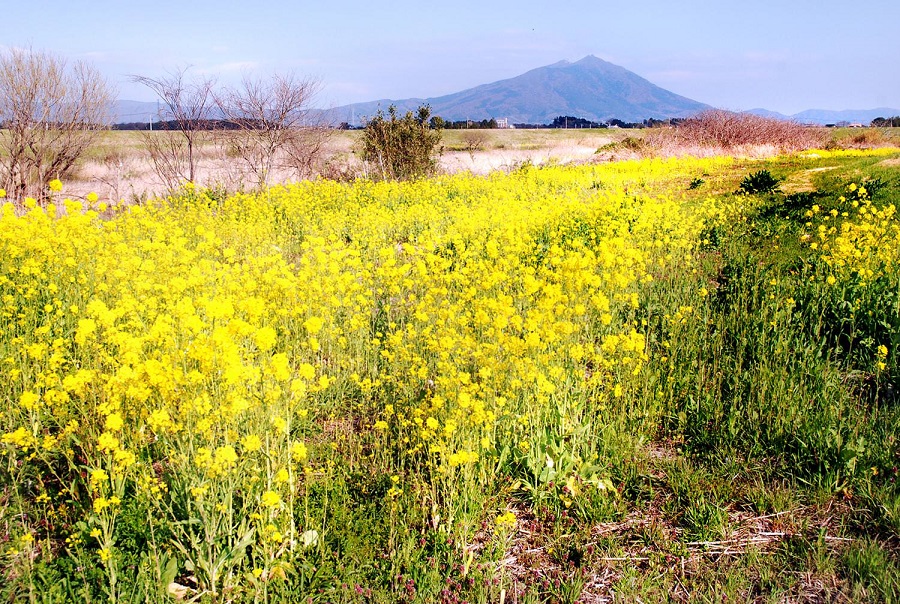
766,113
827,116
590,88
859,116
133,111
127,112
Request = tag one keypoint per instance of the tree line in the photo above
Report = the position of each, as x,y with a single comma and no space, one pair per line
886,122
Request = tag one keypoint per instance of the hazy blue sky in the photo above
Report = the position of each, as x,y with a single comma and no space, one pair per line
784,55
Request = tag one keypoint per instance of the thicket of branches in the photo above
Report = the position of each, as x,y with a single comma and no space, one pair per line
186,104
271,125
264,124
51,111
727,129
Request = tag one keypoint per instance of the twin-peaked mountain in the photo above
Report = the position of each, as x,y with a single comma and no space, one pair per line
590,88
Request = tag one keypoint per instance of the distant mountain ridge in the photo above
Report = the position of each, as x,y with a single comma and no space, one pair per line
130,112
828,116
590,88
125,112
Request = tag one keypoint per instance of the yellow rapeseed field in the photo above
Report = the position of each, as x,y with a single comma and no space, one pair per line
209,360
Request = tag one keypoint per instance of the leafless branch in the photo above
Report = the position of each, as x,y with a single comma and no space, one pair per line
271,125
184,121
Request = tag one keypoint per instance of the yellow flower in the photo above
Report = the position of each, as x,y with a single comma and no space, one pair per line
86,328
265,338
462,457
55,185
29,400
279,367
124,458
20,438
298,451
98,477
313,325
505,521
2,193
114,422
226,456
159,420
306,371
251,443
270,499
275,535
107,442
92,197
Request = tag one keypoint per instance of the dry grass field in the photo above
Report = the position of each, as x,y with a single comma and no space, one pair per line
119,167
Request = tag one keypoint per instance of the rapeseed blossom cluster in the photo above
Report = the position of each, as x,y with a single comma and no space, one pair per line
860,240
191,353
854,253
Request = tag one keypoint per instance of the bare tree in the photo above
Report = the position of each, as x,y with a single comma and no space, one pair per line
52,112
272,125
305,152
474,140
184,122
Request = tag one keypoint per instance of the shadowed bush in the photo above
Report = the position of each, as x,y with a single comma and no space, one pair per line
759,182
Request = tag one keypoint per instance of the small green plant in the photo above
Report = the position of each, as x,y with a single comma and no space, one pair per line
759,182
402,148
869,567
696,184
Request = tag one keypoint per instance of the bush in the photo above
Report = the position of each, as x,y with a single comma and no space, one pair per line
729,129
864,139
628,147
402,148
759,182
